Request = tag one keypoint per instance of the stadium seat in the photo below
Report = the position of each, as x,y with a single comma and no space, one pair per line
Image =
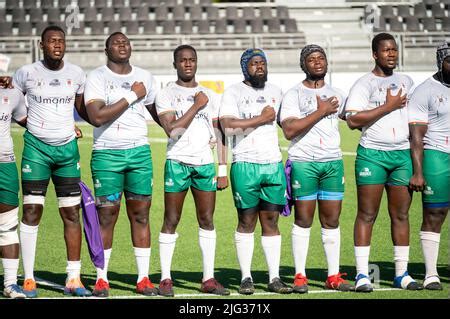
395,24
63,4
35,15
39,27
188,3
78,31
149,27
6,28
265,13
221,26
282,12
379,24
53,15
239,26
45,4
114,26
248,13
168,3
257,25
132,27
178,13
97,28
429,24
168,27
18,15
437,11
142,13
203,27
119,4
420,11
84,3
11,4
100,4
446,24
161,13
195,13
24,29
125,13
186,27
90,14
232,13
205,2
107,14
290,25
2,15
274,25
27,4
387,11
212,13
412,24
404,10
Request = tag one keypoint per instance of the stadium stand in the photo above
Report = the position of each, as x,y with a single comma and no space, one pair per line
283,27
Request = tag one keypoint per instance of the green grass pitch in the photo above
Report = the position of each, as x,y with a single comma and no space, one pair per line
187,264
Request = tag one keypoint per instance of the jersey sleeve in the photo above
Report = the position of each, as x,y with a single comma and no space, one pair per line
19,110
94,88
418,107
81,82
229,104
290,106
19,79
163,102
358,98
215,104
152,90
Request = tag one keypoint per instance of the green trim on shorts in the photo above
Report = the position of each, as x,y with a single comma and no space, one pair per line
436,170
114,171
251,182
9,184
41,160
374,167
178,177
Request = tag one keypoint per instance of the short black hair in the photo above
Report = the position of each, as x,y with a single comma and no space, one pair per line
51,28
380,37
182,47
108,40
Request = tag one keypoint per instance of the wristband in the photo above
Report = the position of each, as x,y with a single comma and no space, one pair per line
131,97
222,171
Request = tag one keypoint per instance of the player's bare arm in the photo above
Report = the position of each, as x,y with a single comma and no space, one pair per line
293,127
170,123
222,181
366,118
99,113
417,181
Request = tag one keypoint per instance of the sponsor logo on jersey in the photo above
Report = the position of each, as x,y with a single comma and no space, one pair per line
190,99
5,99
51,99
26,169
365,172
4,117
393,86
261,100
126,86
69,82
55,82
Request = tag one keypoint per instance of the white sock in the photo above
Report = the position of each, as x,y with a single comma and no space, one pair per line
207,242
430,248
73,269
331,240
28,238
142,261
362,254
103,273
166,248
401,257
300,244
10,268
272,250
244,247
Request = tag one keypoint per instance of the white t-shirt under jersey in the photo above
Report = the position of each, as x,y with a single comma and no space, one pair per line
390,132
50,97
322,142
191,146
430,104
12,105
258,145
129,130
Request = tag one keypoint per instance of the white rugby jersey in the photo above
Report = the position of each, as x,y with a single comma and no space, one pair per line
430,104
322,142
192,145
12,105
390,132
129,130
50,97
258,145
